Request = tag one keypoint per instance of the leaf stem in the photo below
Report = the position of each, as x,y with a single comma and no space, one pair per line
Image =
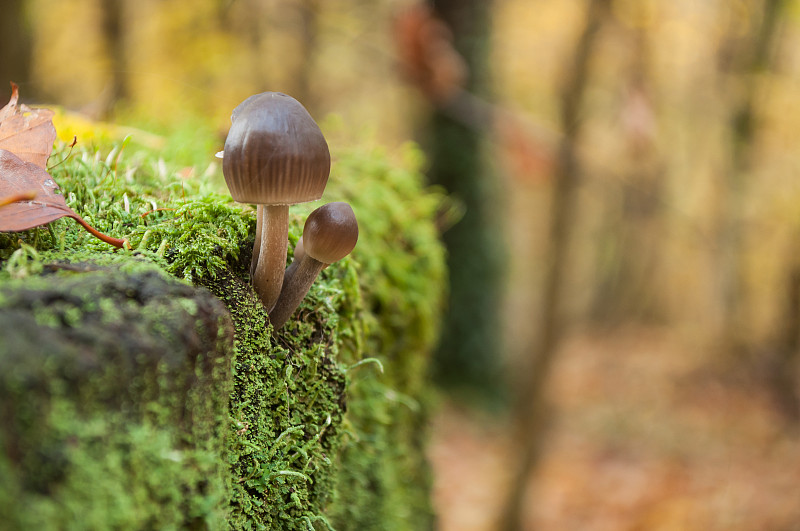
120,244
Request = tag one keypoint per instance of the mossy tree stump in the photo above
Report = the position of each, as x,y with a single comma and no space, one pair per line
200,415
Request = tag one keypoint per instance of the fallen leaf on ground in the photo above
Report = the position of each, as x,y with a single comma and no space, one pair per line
28,133
29,196
19,179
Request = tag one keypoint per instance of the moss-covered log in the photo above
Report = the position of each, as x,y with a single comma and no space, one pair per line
321,425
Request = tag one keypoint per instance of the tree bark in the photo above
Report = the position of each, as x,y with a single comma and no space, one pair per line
744,59
629,246
15,49
468,354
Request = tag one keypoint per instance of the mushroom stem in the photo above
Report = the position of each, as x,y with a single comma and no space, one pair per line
299,253
268,276
296,283
257,244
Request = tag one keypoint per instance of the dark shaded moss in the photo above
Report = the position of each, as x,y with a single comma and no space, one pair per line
113,401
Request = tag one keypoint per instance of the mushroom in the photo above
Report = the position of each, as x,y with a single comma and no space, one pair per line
275,155
329,234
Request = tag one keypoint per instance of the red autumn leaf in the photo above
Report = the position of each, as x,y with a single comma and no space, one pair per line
18,177
18,181
29,196
28,133
426,53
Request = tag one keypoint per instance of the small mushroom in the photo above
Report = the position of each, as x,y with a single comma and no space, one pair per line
299,253
275,155
329,234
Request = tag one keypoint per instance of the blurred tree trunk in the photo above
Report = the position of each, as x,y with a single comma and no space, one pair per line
15,49
532,408
628,258
288,29
782,360
744,59
113,21
468,357
247,20
304,69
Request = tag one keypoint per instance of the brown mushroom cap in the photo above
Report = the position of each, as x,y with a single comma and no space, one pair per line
330,232
275,154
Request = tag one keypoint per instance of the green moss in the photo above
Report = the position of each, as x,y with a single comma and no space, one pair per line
401,264
112,422
314,438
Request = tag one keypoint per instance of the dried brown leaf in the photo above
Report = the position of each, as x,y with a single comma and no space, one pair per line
28,133
20,179
29,196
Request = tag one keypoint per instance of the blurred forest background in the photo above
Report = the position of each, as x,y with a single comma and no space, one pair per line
628,246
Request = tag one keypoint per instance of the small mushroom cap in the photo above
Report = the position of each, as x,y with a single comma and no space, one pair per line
275,153
330,232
